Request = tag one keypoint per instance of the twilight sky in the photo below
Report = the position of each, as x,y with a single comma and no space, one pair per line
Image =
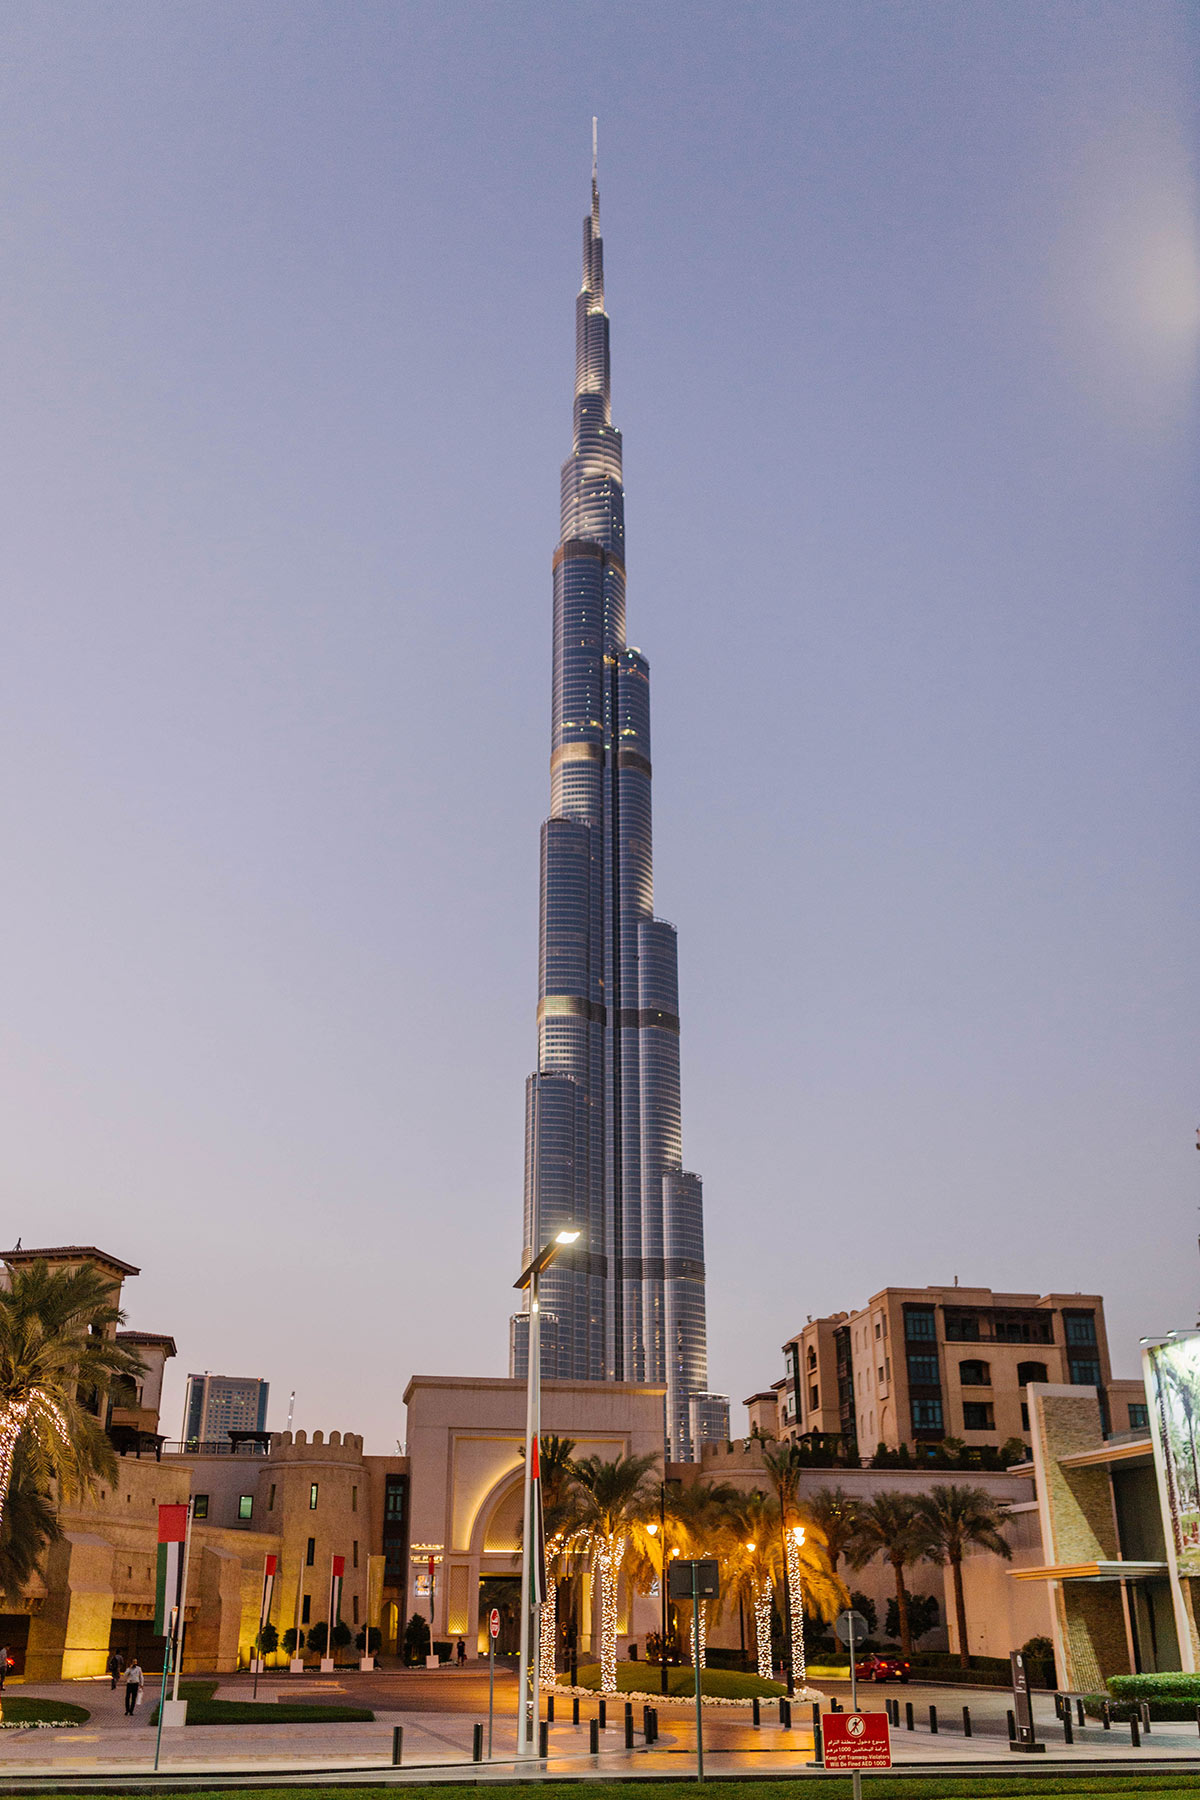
905,306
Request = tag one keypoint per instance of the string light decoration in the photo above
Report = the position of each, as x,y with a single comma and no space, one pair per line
792,1541
16,1416
762,1626
700,1661
606,1564
548,1623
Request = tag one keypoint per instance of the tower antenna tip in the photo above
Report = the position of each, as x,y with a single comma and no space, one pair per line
594,152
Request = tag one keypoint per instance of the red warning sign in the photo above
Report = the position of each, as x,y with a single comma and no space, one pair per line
856,1740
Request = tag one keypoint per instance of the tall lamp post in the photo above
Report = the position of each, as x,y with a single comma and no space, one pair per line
656,1531
527,1673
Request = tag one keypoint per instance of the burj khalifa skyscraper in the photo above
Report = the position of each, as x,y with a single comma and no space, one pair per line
603,1140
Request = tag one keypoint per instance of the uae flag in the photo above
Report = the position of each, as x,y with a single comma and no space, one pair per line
336,1571
172,1530
539,1529
270,1563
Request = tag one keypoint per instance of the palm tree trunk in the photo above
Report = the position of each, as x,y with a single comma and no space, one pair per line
12,1422
762,1628
902,1607
960,1611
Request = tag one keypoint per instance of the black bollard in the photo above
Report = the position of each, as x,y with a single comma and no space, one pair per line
1197,1716
477,1743
575,1710
1135,1737
1068,1734
550,1709
602,1715
1106,1716
543,1739
785,1713
397,1745
909,1723
654,1723
818,1736
594,1736
966,1721
1146,1717
756,1711
1012,1727
782,1704
1080,1719
835,1706
933,1720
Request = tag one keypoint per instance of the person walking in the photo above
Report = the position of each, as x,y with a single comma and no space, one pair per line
462,1654
133,1686
3,1665
116,1663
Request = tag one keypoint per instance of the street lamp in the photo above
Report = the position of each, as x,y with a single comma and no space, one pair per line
528,1673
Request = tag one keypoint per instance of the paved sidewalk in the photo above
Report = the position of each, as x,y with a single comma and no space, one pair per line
437,1744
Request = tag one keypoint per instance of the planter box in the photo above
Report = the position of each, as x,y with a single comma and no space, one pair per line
174,1713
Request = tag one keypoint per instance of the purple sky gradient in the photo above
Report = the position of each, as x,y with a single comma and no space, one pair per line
905,305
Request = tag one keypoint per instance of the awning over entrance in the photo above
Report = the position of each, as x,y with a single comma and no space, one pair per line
1092,1571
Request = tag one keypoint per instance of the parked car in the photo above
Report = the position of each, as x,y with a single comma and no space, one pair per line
881,1667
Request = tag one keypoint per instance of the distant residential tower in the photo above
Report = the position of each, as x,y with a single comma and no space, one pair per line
215,1405
603,1142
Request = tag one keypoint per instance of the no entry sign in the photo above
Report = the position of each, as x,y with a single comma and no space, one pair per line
494,1623
856,1740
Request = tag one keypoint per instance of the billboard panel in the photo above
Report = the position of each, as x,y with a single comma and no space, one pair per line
1173,1391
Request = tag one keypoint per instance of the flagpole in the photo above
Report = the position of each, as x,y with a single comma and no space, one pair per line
181,1626
264,1607
329,1638
299,1655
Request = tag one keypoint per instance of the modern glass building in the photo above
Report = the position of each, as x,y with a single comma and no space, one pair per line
603,1144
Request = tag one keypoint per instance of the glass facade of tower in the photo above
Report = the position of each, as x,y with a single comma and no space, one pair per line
603,1144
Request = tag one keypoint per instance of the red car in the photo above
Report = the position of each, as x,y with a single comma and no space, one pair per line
882,1668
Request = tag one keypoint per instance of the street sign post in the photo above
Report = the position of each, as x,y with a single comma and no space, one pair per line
851,1627
493,1634
695,1580
1026,1739
857,1741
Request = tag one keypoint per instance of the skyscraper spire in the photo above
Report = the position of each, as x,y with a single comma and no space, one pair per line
603,1141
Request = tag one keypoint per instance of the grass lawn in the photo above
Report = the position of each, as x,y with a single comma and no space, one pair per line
204,1710
16,1711
646,1678
878,1787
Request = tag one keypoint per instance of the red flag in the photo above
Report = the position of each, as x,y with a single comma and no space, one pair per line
339,1565
172,1524
539,1527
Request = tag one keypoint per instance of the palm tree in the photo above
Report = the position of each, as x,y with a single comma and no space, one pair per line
560,1510
58,1359
698,1513
783,1464
615,1501
835,1511
751,1533
889,1526
30,1523
956,1519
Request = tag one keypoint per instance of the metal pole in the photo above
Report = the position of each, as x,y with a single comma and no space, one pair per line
491,1685
524,1712
180,1627
162,1698
855,1774
696,1669
296,1650
664,1684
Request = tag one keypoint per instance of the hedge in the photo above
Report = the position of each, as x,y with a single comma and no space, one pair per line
1171,1695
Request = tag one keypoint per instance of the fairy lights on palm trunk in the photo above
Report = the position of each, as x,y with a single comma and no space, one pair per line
13,1420
607,1564
762,1627
700,1661
792,1542
548,1622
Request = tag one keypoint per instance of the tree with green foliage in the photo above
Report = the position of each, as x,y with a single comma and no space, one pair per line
58,1359
29,1524
293,1641
953,1520
890,1526
416,1639
924,1616
834,1510
369,1640
616,1499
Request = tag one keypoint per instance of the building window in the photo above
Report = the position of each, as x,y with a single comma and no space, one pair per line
927,1415
878,1334
978,1415
271,1500
354,1562
245,1506
962,1328
356,1620
1030,1371
1139,1415
1024,1422
919,1323
813,1398
353,1499
812,1357
306,1609
1085,1371
923,1370
310,1556
312,1498
975,1374
881,1383
1080,1327
200,1506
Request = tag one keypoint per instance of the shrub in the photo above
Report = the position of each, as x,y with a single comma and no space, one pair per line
318,1637
416,1639
1170,1695
342,1634
369,1639
293,1641
443,1649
